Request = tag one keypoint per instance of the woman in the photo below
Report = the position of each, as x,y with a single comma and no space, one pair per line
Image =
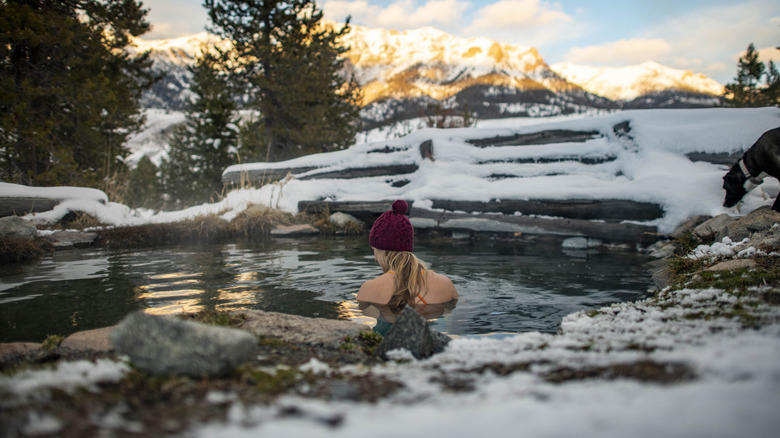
406,280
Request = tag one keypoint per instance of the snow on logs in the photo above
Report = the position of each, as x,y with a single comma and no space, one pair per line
602,219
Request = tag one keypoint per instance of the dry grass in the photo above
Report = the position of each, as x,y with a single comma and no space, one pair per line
256,222
259,220
23,250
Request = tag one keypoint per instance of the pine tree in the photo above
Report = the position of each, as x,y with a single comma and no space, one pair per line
291,65
69,91
145,190
205,143
771,91
745,92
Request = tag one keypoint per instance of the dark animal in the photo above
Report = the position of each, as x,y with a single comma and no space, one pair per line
758,162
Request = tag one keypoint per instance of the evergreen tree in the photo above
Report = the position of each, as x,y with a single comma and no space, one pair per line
69,91
205,143
145,190
772,90
746,91
291,65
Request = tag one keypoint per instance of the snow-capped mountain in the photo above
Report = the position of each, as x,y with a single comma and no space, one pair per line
629,83
416,73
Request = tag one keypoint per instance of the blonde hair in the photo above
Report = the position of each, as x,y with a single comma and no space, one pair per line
408,281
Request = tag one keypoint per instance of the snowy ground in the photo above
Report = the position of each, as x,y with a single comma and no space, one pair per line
716,377
677,365
651,166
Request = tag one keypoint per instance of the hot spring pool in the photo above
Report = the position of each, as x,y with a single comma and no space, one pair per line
505,286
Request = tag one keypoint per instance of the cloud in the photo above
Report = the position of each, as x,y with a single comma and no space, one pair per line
517,14
706,40
633,51
401,15
527,22
767,54
174,18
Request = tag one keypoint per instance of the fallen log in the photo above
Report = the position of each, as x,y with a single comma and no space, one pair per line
306,173
727,158
518,225
587,209
10,206
491,222
366,211
537,138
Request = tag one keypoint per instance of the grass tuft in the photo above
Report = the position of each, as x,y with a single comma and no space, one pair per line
23,250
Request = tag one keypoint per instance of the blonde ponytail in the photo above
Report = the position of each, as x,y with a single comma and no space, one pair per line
409,279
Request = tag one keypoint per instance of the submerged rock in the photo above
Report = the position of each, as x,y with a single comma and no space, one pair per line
14,227
68,238
294,230
581,243
162,345
411,332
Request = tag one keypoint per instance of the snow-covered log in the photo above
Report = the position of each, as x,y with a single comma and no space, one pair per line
588,209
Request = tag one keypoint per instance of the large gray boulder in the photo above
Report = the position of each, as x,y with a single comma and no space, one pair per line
163,345
756,221
411,332
14,227
295,329
710,229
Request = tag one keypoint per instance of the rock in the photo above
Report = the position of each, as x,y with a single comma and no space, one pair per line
767,239
411,332
756,221
662,277
294,230
710,229
68,238
93,340
688,226
14,227
730,265
300,329
661,249
580,243
13,348
162,345
342,219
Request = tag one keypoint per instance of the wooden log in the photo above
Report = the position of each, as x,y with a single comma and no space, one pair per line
363,172
586,209
368,211
10,206
537,138
262,175
716,158
271,175
558,159
508,224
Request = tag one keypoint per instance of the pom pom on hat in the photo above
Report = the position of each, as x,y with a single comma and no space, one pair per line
392,231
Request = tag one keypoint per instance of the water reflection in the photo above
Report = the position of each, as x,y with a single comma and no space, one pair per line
504,286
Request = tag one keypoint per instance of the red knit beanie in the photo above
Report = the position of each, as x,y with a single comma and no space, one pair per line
393,231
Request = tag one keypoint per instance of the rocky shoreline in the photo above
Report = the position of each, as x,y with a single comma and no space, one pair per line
718,281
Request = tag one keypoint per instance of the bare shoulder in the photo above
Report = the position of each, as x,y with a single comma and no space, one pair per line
375,290
445,285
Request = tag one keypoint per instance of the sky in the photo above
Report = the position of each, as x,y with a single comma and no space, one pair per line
704,36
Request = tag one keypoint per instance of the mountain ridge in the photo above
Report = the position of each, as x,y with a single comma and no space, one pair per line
404,74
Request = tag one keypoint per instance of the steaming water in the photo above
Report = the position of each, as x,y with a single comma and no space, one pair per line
505,287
